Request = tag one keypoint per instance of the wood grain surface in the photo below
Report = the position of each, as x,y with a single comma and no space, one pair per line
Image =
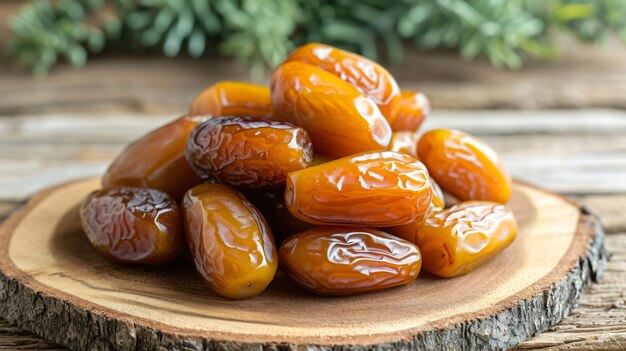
584,76
38,150
49,273
597,323
60,128
573,152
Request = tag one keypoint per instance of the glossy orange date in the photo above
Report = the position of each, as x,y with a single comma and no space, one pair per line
246,153
464,166
408,231
462,238
410,112
346,261
339,119
157,160
404,142
367,76
380,188
234,99
133,225
230,242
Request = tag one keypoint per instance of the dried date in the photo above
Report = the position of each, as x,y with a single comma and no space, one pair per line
248,154
230,242
339,119
133,225
234,99
157,160
464,166
346,261
380,188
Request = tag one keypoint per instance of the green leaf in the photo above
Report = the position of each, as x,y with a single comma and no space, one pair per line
173,42
574,11
197,43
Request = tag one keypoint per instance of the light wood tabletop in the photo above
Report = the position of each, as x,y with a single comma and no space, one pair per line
557,125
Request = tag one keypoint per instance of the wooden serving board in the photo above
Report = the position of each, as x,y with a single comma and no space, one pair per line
54,284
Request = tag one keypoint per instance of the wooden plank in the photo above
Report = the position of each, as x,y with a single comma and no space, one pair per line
611,210
515,122
576,152
123,126
580,78
599,321
13,338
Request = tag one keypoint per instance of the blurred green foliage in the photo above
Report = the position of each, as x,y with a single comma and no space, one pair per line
262,32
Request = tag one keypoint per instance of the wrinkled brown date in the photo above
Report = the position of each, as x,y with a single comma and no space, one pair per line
230,242
346,260
133,225
248,154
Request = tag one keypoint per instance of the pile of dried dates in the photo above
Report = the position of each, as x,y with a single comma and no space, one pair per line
326,163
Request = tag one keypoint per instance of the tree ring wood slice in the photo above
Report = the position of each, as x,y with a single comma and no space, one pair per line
54,284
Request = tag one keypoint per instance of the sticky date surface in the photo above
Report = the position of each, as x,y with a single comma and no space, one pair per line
248,154
346,260
157,160
464,166
460,239
234,99
378,188
367,76
133,225
230,242
340,120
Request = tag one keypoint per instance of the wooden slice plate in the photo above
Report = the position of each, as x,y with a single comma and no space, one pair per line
54,284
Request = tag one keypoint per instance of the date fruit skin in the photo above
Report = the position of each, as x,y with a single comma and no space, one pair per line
133,225
230,242
339,119
234,99
462,238
404,142
438,201
248,154
408,231
370,78
380,188
464,166
340,261
157,160
410,112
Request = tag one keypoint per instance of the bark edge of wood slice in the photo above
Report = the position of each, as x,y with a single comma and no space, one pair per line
54,284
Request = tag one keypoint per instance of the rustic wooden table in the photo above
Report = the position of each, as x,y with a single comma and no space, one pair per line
73,123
